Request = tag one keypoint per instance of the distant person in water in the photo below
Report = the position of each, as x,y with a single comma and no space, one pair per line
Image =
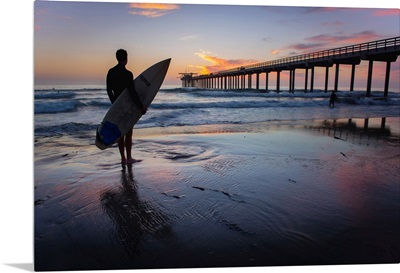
118,79
332,99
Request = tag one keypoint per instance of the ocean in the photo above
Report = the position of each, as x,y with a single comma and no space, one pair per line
79,110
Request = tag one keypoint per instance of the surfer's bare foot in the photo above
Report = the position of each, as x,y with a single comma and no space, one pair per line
130,161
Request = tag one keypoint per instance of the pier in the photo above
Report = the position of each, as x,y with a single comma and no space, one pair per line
386,50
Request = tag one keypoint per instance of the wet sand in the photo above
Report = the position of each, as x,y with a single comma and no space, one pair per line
276,194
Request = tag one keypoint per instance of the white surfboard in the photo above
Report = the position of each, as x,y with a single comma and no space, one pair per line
124,113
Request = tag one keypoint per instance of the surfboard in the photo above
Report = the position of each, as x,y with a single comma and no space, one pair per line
124,113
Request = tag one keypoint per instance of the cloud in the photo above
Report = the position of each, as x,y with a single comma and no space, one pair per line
302,46
321,9
328,41
386,12
152,10
379,12
335,23
42,15
190,37
267,39
344,39
219,64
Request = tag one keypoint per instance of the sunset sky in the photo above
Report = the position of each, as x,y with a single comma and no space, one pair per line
75,42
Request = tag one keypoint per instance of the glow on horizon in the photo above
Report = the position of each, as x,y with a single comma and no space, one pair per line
75,42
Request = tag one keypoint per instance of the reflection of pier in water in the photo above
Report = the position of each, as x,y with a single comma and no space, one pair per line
361,130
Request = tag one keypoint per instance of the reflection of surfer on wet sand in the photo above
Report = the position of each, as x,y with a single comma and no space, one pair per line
132,217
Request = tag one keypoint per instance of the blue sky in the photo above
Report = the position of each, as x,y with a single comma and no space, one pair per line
75,41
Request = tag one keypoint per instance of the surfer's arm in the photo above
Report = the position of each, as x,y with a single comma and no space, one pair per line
110,92
110,95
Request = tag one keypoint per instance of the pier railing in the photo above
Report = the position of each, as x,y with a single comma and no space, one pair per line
357,49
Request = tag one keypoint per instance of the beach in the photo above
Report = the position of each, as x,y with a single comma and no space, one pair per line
277,192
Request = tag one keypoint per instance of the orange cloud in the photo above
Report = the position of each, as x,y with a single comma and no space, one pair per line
152,10
219,64
203,69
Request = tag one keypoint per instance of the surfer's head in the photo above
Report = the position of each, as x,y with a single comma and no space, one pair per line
122,55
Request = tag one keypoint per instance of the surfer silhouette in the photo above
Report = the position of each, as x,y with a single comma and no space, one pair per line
332,99
118,79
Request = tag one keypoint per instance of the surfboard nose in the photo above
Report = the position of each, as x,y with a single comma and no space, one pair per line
165,63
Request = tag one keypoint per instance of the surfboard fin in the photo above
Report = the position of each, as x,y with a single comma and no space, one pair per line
109,133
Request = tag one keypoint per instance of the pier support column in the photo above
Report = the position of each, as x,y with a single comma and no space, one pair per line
326,78
306,81
249,79
266,81
387,76
292,80
369,81
336,77
353,72
312,80
257,81
278,81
